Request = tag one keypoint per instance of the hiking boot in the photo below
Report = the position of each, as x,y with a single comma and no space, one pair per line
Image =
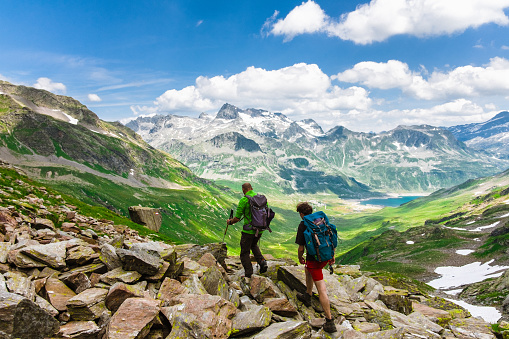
263,267
329,326
305,298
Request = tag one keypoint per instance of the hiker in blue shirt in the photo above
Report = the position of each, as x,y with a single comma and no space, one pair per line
249,239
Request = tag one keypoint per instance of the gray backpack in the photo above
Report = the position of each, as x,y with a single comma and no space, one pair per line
261,214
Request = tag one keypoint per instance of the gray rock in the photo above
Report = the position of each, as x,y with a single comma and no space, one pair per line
139,261
214,282
253,320
118,274
193,285
109,257
286,330
133,319
52,255
79,329
88,305
5,247
41,223
21,318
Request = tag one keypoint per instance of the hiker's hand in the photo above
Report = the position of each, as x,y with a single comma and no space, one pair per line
332,261
228,222
302,261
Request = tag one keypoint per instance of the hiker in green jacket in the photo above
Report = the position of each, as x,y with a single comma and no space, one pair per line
248,240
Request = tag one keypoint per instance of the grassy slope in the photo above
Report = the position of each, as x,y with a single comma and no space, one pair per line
421,222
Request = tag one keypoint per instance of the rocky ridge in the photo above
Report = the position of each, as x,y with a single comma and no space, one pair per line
74,276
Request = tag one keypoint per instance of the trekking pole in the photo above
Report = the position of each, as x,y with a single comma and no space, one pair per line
226,229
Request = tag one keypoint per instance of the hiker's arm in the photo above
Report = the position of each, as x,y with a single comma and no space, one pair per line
301,254
232,221
333,260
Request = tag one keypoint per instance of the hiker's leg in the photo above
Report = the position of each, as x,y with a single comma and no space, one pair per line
324,298
245,253
309,282
256,250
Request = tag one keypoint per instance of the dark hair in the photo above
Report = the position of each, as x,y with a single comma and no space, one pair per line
304,208
247,187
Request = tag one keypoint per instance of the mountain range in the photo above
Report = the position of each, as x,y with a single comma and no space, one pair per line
491,136
298,156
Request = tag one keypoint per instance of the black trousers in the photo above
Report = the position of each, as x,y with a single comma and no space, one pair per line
248,243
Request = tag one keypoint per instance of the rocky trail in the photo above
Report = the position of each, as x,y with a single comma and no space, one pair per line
79,277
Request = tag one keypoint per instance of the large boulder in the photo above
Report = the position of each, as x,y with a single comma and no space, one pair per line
149,217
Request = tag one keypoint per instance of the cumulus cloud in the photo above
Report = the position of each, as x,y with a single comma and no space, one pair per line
381,19
451,113
306,18
305,91
48,85
301,90
465,81
94,98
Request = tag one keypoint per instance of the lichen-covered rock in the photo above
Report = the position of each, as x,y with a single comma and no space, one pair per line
79,329
109,257
170,288
119,274
139,261
119,292
253,320
281,306
286,330
214,283
52,255
88,305
133,319
58,293
21,318
213,313
397,300
193,285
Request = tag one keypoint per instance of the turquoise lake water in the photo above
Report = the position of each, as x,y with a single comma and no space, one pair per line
392,202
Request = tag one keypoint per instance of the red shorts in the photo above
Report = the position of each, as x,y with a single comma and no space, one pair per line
315,269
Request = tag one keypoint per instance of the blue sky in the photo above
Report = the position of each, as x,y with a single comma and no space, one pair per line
368,66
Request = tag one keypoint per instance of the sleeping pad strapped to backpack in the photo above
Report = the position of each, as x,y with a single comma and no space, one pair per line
320,235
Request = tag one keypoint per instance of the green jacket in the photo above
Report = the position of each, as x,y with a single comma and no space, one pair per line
244,210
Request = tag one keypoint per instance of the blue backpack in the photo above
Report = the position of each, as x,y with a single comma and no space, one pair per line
320,235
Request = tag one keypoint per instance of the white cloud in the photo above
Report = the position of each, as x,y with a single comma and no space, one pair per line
305,91
456,112
300,90
94,98
504,47
48,85
381,19
465,81
306,18
392,74
199,23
